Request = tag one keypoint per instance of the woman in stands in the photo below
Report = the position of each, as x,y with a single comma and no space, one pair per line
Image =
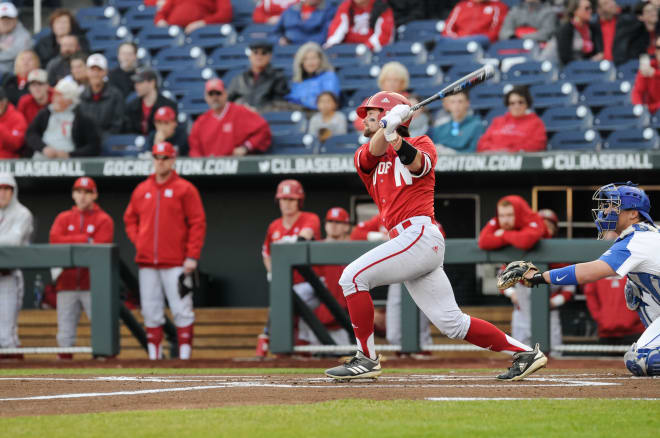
519,130
62,22
579,38
312,75
16,85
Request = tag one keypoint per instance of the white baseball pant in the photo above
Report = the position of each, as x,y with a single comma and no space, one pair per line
70,305
155,286
393,319
11,301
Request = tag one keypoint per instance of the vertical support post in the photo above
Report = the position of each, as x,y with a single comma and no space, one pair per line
37,16
409,323
541,314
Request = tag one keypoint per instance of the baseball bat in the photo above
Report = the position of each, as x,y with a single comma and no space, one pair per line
470,80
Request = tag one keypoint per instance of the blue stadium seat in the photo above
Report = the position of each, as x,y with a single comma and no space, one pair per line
156,38
602,94
228,58
186,81
105,16
420,30
284,53
448,52
242,12
512,3
123,145
554,94
293,144
230,74
193,104
356,98
341,144
102,38
575,140
510,48
531,73
613,118
577,117
421,76
488,96
634,138
459,70
212,36
348,55
286,122
179,58
406,52
124,5
139,17
588,72
358,78
495,112
257,32
628,71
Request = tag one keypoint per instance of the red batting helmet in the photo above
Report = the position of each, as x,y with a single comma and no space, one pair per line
550,215
384,101
290,189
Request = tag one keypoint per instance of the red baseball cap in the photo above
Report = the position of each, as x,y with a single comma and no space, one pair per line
337,214
214,84
164,148
164,114
85,183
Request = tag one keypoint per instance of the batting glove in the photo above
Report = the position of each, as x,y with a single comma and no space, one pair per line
403,111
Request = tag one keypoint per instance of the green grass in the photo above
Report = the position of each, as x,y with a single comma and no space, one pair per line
362,418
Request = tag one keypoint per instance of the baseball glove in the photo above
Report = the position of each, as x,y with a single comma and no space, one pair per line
515,272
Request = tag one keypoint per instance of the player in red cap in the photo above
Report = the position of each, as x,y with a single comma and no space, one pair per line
85,222
293,225
398,172
165,220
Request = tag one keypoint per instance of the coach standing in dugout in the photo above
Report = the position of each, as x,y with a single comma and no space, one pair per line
165,220
85,222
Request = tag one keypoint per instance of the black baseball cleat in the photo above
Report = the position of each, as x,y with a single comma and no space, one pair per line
524,364
358,367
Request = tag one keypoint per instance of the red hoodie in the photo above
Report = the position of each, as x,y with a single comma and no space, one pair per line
165,222
347,27
183,12
29,107
266,9
476,18
514,134
647,90
12,132
528,228
76,226
607,305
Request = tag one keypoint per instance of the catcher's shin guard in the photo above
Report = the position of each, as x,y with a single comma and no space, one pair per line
154,342
185,337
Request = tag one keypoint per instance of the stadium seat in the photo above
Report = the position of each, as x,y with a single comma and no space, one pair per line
284,54
293,144
123,145
601,94
459,70
341,144
358,78
212,36
634,138
286,122
406,52
185,81
495,112
139,17
588,72
97,16
448,52
554,94
488,96
155,38
531,73
613,118
421,76
575,140
356,98
42,33
420,30
512,48
124,5
577,117
229,75
256,32
193,104
628,71
242,13
228,58
179,58
351,116
348,55
102,38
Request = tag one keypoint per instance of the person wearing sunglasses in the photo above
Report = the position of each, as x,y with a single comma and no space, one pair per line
578,37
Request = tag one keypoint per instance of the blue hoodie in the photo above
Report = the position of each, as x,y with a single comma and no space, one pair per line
465,139
299,31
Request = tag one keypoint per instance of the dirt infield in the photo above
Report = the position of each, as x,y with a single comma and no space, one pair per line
58,394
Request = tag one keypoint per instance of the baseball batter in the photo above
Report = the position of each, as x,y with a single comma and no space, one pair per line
397,171
86,222
165,220
16,226
622,208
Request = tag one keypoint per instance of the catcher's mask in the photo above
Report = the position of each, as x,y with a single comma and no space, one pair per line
611,199
188,283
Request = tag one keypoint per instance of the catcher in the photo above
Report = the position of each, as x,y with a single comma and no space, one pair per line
624,209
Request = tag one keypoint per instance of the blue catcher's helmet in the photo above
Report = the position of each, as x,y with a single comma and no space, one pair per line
611,199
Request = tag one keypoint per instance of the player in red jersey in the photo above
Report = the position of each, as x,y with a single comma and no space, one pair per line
294,225
398,172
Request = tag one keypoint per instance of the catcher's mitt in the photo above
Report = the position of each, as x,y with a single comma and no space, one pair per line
515,272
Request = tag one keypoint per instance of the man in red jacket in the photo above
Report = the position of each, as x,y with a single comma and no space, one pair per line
12,128
647,83
165,220
515,224
193,14
227,128
85,222
369,22
472,18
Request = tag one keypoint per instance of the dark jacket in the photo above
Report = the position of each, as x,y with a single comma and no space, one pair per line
631,39
107,112
84,133
565,35
179,140
122,80
57,69
133,122
271,86
406,11
10,85
47,47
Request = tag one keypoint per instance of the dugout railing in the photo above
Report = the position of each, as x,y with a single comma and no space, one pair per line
284,304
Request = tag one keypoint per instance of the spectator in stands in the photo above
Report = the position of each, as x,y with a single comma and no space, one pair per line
515,224
14,38
406,11
647,83
169,130
85,222
478,20
312,75
78,74
328,121
63,129
121,76
227,128
261,87
369,22
269,11
38,98
62,22
60,66
140,111
520,129
193,14
12,128
532,19
635,34
15,85
306,21
578,37
103,102
608,12
393,76
462,133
